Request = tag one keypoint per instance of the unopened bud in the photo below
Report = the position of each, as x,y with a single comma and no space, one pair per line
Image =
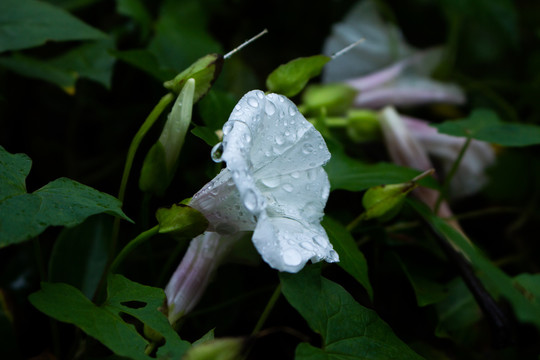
181,221
336,98
218,349
385,201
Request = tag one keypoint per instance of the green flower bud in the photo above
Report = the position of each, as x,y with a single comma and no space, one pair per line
363,125
218,349
336,98
160,162
181,221
385,201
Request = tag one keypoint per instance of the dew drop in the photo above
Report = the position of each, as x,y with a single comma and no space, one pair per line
279,140
260,95
319,240
271,182
217,152
288,187
270,108
292,257
281,98
307,148
247,137
307,246
292,110
227,127
250,200
295,175
253,102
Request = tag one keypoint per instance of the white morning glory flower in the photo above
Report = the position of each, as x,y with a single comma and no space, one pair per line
384,69
411,142
274,183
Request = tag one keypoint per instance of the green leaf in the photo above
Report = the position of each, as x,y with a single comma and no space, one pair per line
290,78
348,330
351,258
144,60
14,168
496,280
29,23
204,71
67,304
91,61
138,12
458,312
62,202
80,254
485,125
38,69
350,174
181,35
206,134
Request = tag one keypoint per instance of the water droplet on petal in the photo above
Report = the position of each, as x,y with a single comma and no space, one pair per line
288,187
307,246
295,175
271,182
319,240
253,102
270,108
260,95
281,98
250,200
292,110
307,148
292,257
227,127
217,152
279,140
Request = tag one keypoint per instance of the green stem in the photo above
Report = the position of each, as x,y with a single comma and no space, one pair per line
267,310
148,122
450,175
145,235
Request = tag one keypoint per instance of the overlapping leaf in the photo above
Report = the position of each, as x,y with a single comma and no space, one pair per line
62,202
348,329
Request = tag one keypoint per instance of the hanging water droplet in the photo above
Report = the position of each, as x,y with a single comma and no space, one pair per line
217,152
270,108
292,257
288,187
307,148
250,200
253,102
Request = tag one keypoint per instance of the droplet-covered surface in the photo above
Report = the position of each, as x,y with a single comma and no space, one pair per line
275,156
274,182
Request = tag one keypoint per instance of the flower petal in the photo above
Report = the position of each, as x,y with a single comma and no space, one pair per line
266,137
384,44
286,244
220,203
